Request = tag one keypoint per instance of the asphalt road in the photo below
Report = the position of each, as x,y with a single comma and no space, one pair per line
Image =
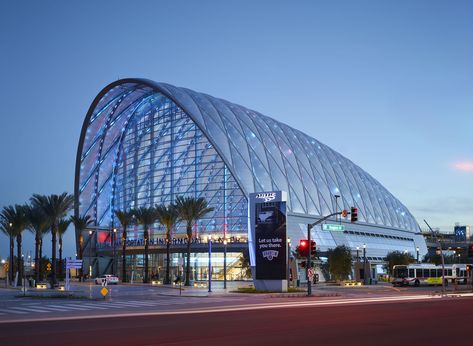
435,322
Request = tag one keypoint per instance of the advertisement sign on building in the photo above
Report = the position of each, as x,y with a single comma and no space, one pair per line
268,239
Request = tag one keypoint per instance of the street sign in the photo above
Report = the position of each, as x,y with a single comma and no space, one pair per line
310,273
104,291
332,227
73,264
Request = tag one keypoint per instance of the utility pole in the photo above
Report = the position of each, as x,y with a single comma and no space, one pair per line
441,256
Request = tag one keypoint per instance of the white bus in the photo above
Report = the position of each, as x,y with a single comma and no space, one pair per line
428,274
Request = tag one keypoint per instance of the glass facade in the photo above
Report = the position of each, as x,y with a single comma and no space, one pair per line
145,143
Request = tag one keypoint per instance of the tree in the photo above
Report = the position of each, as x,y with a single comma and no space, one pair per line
167,216
245,263
146,217
38,224
17,222
339,262
6,226
62,226
190,210
80,224
125,218
55,207
397,258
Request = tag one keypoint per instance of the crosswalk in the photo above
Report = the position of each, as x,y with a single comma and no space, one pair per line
47,307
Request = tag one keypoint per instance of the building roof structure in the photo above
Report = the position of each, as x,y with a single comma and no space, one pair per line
262,154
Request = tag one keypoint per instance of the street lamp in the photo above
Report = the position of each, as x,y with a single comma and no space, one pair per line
365,276
114,237
288,276
209,240
90,253
417,251
336,206
225,263
10,262
357,254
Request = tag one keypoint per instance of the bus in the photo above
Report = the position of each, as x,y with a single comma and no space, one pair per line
428,274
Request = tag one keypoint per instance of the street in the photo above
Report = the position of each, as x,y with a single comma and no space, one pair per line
429,320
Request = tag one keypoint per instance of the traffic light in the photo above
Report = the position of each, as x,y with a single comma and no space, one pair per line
303,248
468,267
354,214
312,248
470,251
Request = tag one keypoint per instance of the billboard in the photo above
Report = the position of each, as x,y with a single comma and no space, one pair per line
270,236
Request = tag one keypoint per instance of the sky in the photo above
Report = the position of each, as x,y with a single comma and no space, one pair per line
387,84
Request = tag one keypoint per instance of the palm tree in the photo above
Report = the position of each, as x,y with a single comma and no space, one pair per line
146,217
167,216
6,226
81,223
62,226
38,224
55,207
190,210
125,219
16,217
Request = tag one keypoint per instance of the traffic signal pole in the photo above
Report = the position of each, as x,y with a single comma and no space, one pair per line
309,255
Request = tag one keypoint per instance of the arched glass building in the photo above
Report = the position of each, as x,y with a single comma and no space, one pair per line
144,143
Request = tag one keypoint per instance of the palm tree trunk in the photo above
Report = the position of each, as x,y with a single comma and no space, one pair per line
40,268
188,265
53,256
12,248
60,257
19,266
167,279
37,269
146,236
124,256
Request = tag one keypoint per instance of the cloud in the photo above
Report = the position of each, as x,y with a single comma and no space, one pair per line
463,166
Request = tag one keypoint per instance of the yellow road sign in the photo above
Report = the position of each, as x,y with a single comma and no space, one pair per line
104,291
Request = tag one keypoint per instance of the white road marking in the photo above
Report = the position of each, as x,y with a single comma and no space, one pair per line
28,309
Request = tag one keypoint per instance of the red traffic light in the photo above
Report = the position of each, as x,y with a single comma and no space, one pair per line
312,247
303,248
354,214
468,267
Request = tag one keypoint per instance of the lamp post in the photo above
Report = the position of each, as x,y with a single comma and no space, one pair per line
459,256
225,263
417,252
365,275
288,274
209,240
114,237
10,261
336,206
90,253
357,254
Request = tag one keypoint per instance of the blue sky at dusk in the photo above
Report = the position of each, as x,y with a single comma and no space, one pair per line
388,84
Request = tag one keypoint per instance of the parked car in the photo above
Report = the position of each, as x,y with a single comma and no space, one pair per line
110,279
